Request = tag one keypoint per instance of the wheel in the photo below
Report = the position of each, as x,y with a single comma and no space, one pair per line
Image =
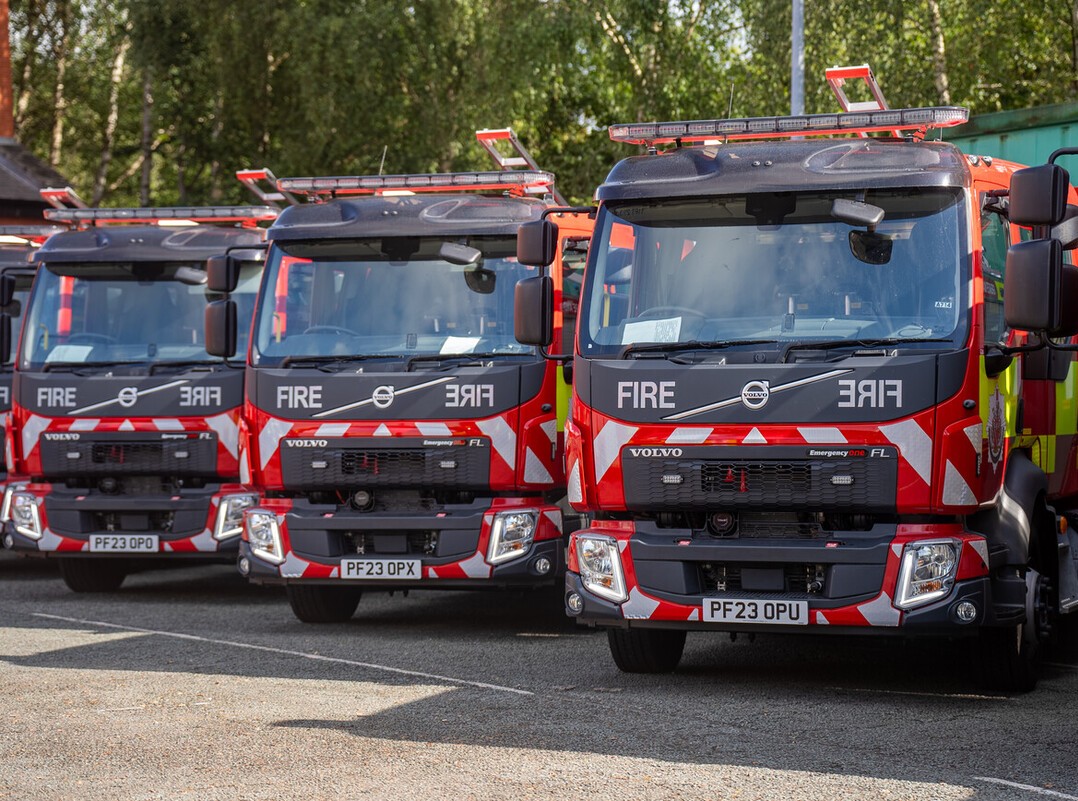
323,604
331,329
1007,659
92,575
646,650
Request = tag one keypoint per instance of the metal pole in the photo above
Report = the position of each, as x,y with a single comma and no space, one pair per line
797,59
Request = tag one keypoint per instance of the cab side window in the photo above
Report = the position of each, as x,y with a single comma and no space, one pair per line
995,239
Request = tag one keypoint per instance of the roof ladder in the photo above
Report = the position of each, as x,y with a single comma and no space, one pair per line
255,179
62,198
518,158
837,78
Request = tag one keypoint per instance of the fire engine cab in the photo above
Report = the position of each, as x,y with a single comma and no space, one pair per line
399,437
799,404
123,432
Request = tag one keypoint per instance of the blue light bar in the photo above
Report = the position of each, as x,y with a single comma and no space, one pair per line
853,122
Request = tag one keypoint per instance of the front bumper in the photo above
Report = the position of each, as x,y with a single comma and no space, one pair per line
451,546
666,573
183,523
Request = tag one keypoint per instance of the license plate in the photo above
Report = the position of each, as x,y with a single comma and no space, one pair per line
124,543
381,569
755,610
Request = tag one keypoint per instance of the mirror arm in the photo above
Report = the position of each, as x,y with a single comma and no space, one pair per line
1009,350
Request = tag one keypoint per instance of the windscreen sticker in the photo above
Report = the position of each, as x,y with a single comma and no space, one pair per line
459,344
668,330
69,353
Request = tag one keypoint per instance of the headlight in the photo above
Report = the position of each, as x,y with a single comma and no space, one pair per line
5,509
600,567
230,515
24,515
264,535
511,536
927,572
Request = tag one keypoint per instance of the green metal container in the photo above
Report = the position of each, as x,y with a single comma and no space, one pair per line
1027,136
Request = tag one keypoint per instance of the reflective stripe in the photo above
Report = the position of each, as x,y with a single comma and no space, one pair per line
31,432
433,429
332,429
688,436
607,446
956,492
534,471
821,435
639,606
269,439
383,431
84,424
503,437
754,437
228,432
574,492
914,444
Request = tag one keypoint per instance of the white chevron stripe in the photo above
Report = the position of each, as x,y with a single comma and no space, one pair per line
607,445
914,444
268,441
228,433
819,435
503,437
956,491
688,435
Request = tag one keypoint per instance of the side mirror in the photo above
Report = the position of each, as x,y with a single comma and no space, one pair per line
5,338
1039,195
221,328
1032,285
7,289
222,274
537,243
533,311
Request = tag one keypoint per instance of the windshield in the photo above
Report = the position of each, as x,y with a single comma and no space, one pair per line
777,268
392,297
119,313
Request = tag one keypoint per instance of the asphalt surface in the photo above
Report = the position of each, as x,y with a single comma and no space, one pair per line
189,684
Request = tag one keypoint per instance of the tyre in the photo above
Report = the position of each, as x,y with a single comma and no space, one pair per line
323,604
646,650
1007,659
92,575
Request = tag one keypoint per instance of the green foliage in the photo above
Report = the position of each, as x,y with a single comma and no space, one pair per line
354,86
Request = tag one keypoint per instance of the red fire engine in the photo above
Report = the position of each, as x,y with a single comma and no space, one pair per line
799,404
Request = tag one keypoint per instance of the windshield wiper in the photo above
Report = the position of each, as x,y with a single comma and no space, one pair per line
693,344
831,344
326,363
449,357
49,367
189,363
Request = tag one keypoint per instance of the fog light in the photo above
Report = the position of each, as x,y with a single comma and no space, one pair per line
542,565
362,500
8,541
108,485
966,611
244,566
722,523
574,603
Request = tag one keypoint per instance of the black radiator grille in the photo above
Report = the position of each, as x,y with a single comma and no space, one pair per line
717,577
775,478
130,454
344,463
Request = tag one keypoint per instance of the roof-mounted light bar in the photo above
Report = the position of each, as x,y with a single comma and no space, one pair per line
35,234
193,214
517,182
854,122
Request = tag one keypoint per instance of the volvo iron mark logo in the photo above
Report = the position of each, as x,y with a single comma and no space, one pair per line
128,397
754,395
383,396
